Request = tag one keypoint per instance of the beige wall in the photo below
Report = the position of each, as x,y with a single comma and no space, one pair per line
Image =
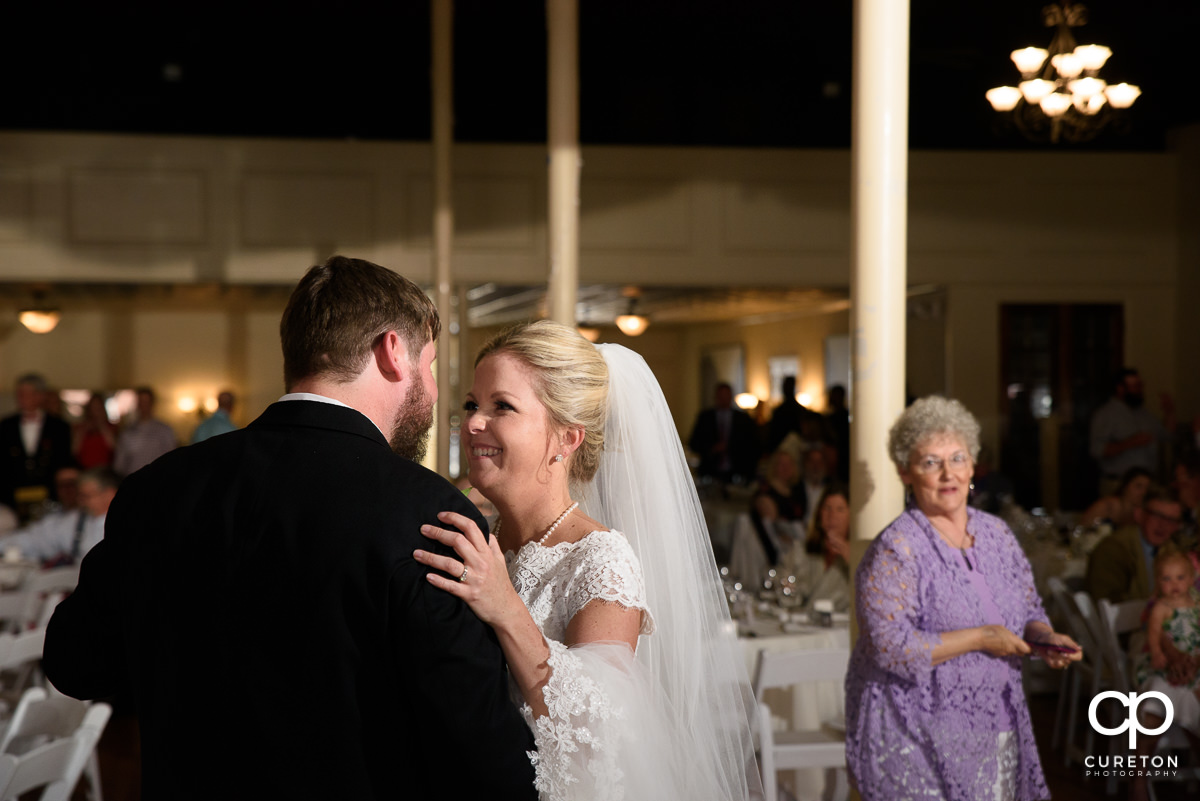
987,228
181,352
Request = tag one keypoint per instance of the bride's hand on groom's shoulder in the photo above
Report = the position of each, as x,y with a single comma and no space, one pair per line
478,576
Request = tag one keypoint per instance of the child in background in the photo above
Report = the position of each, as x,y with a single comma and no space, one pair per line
1174,619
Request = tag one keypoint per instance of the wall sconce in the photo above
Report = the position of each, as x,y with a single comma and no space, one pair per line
39,321
589,333
187,404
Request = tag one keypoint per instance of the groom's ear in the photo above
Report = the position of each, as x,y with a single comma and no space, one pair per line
391,356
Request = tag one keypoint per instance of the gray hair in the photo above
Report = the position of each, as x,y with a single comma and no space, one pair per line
104,477
929,417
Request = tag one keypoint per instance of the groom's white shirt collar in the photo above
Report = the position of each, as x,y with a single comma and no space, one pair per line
311,396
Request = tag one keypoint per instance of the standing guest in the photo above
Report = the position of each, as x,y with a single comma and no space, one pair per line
1118,508
33,445
219,421
1124,433
947,608
94,438
726,439
65,537
1121,568
258,590
837,420
145,439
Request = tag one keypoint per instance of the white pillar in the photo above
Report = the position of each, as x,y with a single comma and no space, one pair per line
562,25
879,202
442,25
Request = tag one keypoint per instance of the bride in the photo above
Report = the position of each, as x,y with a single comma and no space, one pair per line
599,580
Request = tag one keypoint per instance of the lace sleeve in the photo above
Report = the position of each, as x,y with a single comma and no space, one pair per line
598,699
608,570
888,609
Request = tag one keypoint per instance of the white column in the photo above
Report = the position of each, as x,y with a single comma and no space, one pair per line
562,25
442,25
879,201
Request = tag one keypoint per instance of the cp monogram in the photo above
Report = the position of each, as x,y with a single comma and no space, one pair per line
1134,726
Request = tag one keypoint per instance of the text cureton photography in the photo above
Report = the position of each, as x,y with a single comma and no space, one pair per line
1124,766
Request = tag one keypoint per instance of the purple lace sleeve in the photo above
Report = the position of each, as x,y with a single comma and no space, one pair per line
888,596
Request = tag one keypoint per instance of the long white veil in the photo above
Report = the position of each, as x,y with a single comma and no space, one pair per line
645,490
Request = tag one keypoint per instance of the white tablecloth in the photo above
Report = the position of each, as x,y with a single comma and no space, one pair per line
805,706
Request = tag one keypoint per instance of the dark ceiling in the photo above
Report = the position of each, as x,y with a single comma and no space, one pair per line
728,73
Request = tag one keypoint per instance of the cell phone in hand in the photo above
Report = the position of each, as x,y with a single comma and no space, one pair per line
1047,646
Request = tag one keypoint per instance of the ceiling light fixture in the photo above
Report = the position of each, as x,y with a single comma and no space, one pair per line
39,321
1061,96
631,323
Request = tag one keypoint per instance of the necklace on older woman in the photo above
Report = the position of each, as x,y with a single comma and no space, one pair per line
962,545
550,530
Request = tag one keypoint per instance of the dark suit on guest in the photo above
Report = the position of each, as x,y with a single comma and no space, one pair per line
257,596
37,469
741,443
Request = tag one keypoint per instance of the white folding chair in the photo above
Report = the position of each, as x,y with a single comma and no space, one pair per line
1077,613
53,739
19,658
43,590
823,747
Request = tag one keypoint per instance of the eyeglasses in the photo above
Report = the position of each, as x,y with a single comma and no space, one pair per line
958,462
1175,521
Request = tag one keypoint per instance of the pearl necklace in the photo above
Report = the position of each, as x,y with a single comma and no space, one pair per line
550,530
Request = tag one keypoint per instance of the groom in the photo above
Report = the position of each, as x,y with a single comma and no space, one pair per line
256,593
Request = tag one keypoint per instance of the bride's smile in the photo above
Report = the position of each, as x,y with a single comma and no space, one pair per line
507,431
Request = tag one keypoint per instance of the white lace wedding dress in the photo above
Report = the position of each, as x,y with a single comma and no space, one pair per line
607,735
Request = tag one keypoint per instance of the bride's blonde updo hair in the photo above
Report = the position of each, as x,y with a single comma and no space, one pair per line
570,379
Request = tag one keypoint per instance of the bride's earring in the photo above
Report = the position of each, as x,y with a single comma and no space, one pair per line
558,458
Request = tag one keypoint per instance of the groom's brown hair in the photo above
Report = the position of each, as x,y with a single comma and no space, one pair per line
339,311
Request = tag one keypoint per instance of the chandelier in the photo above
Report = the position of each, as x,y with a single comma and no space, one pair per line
1061,95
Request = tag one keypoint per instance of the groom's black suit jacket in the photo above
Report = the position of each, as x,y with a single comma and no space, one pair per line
257,596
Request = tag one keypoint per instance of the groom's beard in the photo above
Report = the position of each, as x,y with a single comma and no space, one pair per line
414,418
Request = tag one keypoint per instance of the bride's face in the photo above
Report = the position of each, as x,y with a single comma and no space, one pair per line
507,431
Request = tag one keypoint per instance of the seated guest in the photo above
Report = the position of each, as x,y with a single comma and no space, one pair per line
94,438
1119,507
823,573
779,497
816,480
1168,663
946,609
1187,485
1120,568
65,537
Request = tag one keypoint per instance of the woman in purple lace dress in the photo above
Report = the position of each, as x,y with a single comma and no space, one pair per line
946,609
